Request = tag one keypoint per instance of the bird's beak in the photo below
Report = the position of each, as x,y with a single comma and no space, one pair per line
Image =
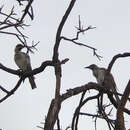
22,47
87,67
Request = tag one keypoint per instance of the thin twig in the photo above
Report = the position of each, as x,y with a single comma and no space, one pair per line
26,10
80,30
12,91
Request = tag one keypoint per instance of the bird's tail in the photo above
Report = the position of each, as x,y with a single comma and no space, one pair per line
32,82
114,88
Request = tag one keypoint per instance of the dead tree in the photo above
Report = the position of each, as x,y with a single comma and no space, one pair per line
17,23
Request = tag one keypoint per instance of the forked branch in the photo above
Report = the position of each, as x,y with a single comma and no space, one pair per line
81,30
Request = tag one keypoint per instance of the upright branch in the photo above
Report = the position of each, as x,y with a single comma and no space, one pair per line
58,72
58,35
120,117
56,47
126,54
76,114
55,106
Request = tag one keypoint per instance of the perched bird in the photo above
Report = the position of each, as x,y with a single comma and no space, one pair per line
22,60
104,79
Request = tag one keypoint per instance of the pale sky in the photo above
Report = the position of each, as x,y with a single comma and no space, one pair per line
27,108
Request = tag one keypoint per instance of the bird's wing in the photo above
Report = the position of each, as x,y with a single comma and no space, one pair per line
101,74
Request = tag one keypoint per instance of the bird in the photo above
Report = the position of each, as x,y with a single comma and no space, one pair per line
22,60
104,79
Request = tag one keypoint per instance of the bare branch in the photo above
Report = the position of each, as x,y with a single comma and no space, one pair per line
40,127
81,44
120,118
23,76
4,90
23,40
8,16
58,124
12,22
80,30
77,111
32,47
55,108
94,116
80,89
31,14
34,71
11,71
89,86
26,10
9,93
115,58
58,35
15,34
76,114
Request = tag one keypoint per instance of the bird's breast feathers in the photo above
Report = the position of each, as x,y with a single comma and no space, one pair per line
99,74
22,60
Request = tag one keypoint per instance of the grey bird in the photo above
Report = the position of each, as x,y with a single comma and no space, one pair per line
104,79
22,60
